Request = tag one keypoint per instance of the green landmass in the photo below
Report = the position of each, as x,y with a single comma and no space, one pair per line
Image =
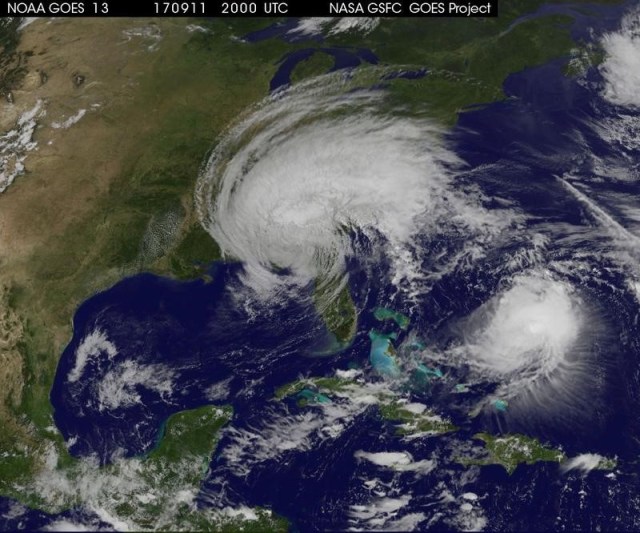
510,451
467,59
583,58
12,62
192,433
337,310
114,196
122,202
382,313
153,492
415,422
607,463
324,385
320,390
587,461
311,397
317,64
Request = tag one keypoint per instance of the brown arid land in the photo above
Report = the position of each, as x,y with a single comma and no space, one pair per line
125,113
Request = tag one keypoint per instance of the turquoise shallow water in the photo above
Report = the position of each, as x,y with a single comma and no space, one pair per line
525,142
382,356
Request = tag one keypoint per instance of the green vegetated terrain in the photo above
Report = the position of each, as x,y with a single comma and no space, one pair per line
382,314
412,422
11,61
408,419
339,313
124,203
325,385
511,450
113,195
155,491
468,59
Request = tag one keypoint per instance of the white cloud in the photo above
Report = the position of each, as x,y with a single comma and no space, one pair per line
621,68
93,345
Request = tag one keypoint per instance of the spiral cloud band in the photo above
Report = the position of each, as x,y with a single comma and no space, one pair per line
287,187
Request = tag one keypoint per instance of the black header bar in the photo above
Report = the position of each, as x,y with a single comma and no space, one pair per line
257,8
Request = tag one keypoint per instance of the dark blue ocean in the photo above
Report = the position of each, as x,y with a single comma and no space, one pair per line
208,333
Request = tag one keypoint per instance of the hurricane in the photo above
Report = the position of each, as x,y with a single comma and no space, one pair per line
349,274
537,339
292,184
528,329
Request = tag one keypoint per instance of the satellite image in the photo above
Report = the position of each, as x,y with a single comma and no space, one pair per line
321,274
